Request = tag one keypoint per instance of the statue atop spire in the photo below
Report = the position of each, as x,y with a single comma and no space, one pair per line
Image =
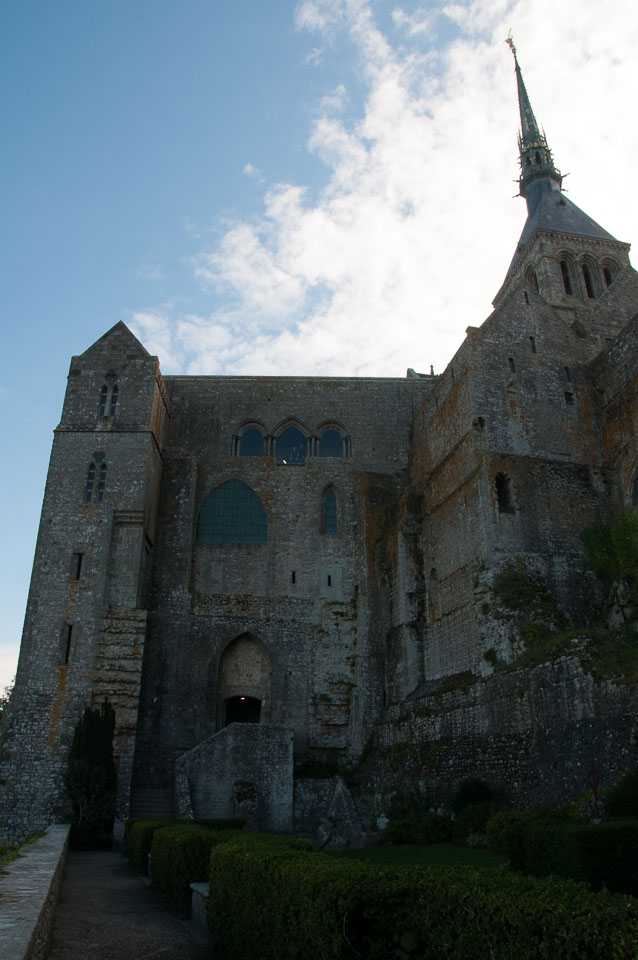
535,156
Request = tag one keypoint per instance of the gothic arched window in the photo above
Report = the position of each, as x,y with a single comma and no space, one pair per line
251,443
330,513
291,446
95,480
331,444
232,513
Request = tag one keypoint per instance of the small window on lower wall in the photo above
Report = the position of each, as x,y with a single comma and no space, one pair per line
67,642
504,493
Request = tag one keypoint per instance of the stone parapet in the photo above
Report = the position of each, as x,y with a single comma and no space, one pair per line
29,892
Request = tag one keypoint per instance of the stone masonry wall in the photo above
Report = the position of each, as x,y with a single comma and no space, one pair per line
532,735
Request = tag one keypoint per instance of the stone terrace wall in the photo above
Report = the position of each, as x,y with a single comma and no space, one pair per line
531,734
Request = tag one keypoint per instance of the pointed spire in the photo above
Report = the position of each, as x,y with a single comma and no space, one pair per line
535,156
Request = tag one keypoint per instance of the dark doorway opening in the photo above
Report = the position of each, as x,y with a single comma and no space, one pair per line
241,710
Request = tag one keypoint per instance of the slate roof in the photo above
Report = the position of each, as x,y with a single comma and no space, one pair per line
549,209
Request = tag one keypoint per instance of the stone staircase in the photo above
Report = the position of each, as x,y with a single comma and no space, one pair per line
152,803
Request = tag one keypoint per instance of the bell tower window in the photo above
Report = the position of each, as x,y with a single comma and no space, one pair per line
109,397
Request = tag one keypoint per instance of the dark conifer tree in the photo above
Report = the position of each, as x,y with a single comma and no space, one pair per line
90,779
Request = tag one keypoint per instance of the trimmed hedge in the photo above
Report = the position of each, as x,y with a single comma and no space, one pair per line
623,799
474,820
180,855
603,854
281,903
420,828
138,836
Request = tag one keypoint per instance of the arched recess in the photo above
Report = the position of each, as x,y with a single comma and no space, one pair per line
244,672
329,517
291,443
232,513
532,278
610,269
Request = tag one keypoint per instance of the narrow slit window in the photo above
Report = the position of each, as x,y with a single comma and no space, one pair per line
76,566
90,481
68,642
532,344
512,365
101,484
568,375
569,398
329,580
293,577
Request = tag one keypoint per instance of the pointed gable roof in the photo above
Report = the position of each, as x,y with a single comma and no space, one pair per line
120,332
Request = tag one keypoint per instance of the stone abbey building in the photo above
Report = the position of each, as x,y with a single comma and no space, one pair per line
261,571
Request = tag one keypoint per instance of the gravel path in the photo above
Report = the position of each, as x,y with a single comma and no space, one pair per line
104,913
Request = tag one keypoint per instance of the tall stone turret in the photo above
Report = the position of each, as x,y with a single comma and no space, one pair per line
86,617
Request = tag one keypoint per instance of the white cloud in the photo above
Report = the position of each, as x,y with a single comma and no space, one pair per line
410,238
150,270
155,329
253,172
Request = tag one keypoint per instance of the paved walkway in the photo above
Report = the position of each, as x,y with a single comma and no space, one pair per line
105,913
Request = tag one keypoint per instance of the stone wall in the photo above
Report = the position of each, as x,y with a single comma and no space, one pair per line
29,890
532,734
243,771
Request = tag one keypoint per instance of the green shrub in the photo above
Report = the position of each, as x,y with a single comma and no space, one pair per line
623,799
603,854
419,828
229,823
470,792
138,837
501,826
473,821
180,855
282,904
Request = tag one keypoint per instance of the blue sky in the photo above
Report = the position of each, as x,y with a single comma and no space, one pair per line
316,187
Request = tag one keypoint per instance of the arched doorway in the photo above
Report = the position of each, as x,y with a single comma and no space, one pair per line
243,687
242,710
